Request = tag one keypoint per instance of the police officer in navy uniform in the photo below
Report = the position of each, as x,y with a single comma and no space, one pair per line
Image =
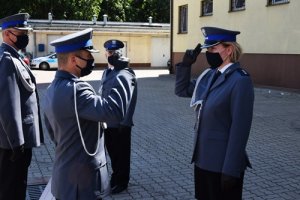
73,111
118,135
222,98
20,125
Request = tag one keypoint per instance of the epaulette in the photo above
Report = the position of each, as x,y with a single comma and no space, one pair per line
7,53
242,72
83,85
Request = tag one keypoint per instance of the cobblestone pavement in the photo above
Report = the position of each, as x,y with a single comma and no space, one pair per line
162,141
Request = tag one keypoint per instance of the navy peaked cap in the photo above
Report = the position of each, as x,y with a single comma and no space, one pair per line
81,40
214,36
18,21
113,45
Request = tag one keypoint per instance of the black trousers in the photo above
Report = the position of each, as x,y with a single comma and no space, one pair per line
13,173
118,145
208,186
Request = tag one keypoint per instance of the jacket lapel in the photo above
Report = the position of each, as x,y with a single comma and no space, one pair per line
222,78
15,54
108,76
218,82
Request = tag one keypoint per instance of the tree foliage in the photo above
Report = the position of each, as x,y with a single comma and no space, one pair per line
136,10
117,10
60,9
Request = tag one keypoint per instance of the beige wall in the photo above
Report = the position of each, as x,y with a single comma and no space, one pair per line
138,45
264,29
269,37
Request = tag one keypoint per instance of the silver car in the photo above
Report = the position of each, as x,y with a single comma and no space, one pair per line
45,62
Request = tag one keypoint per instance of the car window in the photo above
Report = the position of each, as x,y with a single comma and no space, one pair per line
53,56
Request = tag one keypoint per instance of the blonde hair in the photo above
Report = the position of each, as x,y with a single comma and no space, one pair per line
236,51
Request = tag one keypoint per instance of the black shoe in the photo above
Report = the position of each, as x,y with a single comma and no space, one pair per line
118,188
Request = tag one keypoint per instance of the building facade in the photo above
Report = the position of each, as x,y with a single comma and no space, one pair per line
269,36
146,44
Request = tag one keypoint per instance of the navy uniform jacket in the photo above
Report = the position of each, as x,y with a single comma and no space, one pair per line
75,174
19,111
224,122
126,80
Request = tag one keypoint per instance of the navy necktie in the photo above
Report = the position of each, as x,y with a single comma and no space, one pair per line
216,75
108,71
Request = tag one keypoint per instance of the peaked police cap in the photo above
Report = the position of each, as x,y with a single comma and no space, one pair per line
17,21
113,45
81,40
214,36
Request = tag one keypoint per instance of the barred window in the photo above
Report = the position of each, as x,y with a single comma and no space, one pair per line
236,5
206,7
183,19
275,2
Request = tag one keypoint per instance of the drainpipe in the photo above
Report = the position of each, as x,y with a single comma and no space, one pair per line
171,70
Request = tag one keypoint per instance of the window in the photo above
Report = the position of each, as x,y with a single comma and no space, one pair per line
236,5
206,7
183,19
275,2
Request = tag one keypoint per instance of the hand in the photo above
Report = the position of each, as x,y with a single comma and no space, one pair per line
118,62
228,182
191,55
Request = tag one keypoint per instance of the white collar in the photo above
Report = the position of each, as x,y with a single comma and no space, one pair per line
225,67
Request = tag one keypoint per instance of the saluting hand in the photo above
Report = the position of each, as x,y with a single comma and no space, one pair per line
191,55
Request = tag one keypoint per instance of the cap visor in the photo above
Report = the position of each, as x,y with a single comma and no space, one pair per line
23,28
205,46
93,50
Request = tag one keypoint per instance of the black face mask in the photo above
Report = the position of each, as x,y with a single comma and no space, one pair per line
22,40
214,59
117,62
112,59
88,68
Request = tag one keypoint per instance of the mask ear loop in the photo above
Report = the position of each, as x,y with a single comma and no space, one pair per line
79,128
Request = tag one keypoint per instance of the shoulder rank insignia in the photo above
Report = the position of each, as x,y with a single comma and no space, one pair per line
243,72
